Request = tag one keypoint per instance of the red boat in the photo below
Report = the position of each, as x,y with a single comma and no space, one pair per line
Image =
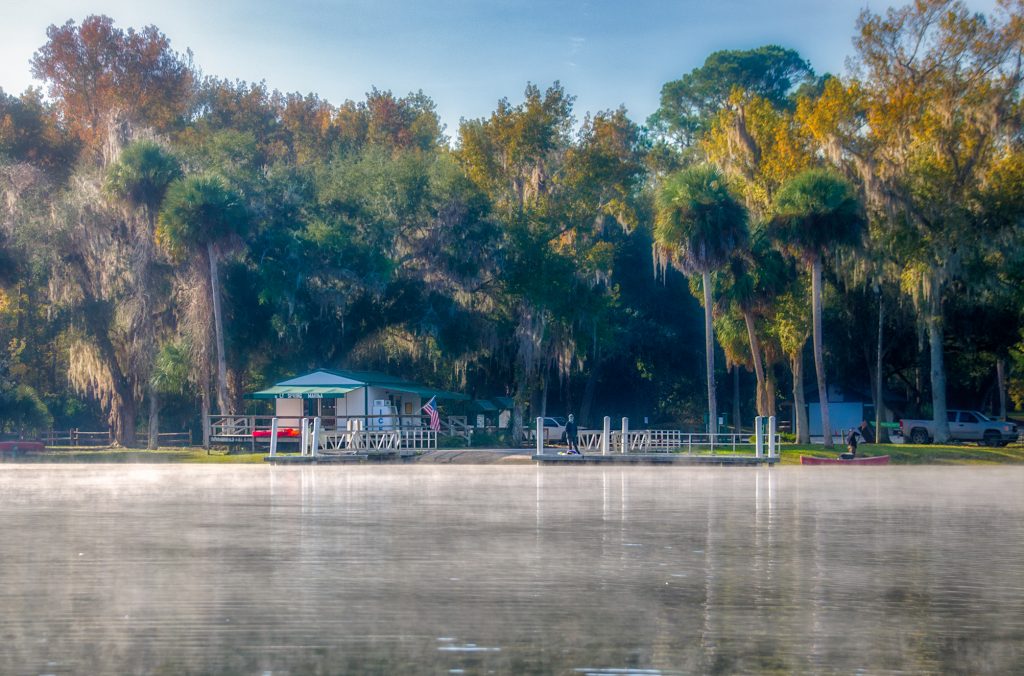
876,460
16,449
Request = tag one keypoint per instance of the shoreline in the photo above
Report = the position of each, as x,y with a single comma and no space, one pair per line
900,454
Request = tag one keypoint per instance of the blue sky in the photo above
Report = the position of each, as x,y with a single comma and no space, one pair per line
464,54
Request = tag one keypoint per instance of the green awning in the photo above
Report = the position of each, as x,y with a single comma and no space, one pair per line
425,392
301,392
483,406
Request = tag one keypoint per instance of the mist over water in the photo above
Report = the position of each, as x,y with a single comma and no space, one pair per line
414,568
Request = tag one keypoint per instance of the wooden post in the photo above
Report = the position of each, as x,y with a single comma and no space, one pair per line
206,432
773,450
606,435
625,435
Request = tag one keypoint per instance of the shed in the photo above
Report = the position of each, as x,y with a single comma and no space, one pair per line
331,393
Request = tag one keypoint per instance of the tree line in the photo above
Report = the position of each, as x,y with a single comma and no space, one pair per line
171,241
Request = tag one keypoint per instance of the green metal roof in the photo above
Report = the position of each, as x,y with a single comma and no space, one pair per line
483,406
330,383
301,392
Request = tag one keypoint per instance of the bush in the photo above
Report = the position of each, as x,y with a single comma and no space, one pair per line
499,439
22,412
451,441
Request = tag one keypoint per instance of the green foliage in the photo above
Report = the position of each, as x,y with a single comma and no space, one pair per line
816,213
199,210
519,261
142,175
688,104
22,411
699,224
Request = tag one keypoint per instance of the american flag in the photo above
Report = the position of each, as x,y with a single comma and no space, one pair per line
431,410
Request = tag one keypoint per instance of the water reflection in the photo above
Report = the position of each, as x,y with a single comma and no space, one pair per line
174,569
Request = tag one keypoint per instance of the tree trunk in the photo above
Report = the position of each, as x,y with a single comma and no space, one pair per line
204,403
153,442
218,326
796,364
518,408
122,419
880,436
770,390
1001,379
588,394
517,423
709,347
736,399
122,404
819,361
935,341
755,354
544,395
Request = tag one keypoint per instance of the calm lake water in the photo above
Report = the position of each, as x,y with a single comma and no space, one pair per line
518,569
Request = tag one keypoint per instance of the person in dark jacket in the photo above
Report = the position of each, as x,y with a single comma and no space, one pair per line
851,444
572,436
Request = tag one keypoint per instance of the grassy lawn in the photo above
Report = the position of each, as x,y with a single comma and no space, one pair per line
93,454
901,454
911,454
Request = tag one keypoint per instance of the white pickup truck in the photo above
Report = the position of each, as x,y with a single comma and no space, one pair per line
554,428
963,426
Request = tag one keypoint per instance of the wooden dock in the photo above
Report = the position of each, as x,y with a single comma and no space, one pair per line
657,459
403,455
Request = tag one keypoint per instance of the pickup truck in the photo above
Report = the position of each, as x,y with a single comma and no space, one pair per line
554,428
963,426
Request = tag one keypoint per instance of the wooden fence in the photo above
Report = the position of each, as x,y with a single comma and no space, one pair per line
76,437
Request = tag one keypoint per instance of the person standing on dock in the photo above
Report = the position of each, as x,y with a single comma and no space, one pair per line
572,436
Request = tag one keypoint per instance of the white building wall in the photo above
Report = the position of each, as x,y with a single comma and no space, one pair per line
288,408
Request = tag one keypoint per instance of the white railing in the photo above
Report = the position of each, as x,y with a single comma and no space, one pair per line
589,440
334,434
664,441
764,443
341,434
359,440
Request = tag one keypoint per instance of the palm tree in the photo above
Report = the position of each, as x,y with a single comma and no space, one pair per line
200,216
698,225
140,179
815,213
753,278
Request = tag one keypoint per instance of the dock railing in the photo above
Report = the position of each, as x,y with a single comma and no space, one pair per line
333,434
764,443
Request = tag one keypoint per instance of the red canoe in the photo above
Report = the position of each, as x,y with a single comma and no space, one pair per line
876,460
19,448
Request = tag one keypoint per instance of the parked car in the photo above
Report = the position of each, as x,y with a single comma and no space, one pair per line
963,426
554,428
